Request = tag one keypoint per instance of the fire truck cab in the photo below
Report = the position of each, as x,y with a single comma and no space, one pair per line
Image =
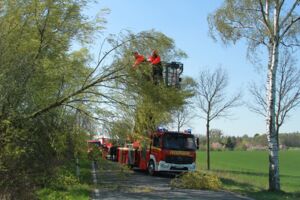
172,152
166,151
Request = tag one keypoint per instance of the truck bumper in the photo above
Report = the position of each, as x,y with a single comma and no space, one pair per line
171,167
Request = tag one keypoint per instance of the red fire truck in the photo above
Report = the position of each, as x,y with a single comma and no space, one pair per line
165,152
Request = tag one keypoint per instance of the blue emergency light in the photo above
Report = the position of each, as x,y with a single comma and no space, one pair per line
161,129
189,131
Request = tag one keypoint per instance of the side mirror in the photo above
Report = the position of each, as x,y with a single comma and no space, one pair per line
197,143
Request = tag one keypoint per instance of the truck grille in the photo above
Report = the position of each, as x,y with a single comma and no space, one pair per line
179,159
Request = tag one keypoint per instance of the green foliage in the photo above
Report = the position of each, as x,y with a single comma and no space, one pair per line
121,129
95,154
64,185
153,108
150,104
145,42
236,20
290,139
48,92
230,143
197,180
63,179
37,67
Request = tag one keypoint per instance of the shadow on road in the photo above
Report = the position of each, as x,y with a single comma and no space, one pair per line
115,182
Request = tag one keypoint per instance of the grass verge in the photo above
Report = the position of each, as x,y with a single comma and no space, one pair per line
66,186
247,189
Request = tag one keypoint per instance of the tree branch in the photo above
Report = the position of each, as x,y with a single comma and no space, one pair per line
289,13
289,26
265,20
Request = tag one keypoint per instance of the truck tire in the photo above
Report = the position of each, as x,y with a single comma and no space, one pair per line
151,168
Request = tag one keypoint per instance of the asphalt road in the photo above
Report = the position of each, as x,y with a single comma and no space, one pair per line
114,184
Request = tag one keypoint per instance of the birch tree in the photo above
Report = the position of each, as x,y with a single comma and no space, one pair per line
287,92
212,100
262,23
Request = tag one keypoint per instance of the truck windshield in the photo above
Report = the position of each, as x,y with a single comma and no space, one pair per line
179,142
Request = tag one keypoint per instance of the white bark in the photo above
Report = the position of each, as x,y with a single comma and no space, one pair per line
261,26
274,179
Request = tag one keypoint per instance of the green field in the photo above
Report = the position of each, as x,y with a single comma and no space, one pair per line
247,171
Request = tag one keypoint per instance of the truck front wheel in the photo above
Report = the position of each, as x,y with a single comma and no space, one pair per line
151,168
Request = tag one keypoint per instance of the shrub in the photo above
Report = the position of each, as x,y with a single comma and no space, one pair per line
95,154
50,194
63,179
196,180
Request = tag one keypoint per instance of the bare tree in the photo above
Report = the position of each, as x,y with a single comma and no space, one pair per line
212,99
183,116
287,92
268,24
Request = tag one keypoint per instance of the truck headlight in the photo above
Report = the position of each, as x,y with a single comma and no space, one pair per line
164,165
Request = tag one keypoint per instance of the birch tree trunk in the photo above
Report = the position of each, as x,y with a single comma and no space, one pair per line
274,180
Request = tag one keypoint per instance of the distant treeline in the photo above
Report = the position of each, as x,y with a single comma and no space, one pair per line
290,139
245,142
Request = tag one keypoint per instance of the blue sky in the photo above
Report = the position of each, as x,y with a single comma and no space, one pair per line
186,22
